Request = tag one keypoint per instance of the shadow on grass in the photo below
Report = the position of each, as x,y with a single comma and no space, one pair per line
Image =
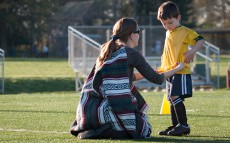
195,115
36,111
189,140
31,85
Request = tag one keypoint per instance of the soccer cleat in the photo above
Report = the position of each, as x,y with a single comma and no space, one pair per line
179,130
165,132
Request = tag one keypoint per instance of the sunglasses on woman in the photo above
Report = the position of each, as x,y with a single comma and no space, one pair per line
137,31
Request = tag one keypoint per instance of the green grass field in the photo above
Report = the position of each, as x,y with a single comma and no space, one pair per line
40,101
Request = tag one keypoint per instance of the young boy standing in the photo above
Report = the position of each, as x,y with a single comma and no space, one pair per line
179,86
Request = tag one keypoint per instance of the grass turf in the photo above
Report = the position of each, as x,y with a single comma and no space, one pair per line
47,117
40,103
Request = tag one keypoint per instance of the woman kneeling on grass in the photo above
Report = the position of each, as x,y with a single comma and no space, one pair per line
110,106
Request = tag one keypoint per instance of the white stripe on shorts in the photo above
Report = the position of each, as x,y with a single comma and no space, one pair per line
183,84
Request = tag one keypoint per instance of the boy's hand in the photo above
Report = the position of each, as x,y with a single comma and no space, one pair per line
189,55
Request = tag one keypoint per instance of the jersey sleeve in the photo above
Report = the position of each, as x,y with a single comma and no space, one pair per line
192,37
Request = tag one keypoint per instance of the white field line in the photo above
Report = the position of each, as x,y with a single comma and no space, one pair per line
24,130
191,110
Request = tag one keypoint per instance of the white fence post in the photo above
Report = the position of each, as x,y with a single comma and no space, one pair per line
2,54
207,75
143,43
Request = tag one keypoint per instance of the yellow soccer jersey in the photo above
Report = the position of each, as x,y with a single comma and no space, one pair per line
176,44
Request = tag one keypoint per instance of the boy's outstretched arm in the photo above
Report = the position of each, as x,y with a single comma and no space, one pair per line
180,66
189,55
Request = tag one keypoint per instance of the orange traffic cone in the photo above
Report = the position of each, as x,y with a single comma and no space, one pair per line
165,107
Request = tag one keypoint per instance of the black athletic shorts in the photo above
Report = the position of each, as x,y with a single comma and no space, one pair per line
179,85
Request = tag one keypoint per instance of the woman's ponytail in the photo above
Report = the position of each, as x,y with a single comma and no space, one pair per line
106,51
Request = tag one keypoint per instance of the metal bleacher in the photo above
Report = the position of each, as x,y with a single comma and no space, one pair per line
83,52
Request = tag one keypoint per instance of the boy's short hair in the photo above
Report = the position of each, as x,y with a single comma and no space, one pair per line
168,10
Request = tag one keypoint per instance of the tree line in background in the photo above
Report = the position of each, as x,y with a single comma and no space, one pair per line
24,22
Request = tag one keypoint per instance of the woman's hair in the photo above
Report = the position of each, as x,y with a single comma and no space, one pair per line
121,31
168,10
